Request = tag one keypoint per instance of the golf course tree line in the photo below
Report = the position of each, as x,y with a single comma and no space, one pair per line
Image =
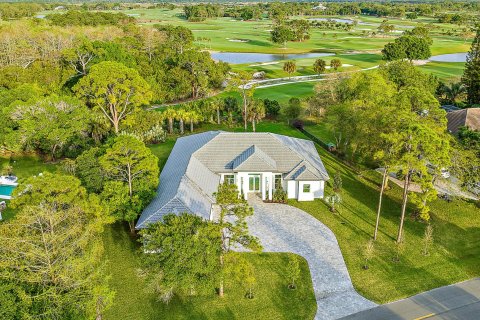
390,118
59,98
471,75
282,10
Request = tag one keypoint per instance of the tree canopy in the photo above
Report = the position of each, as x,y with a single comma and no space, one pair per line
113,89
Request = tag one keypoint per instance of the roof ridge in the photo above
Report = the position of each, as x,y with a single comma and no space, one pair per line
296,152
247,154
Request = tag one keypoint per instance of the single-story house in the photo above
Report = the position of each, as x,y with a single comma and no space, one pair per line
257,163
463,118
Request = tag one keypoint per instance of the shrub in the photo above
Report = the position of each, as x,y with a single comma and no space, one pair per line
298,124
272,107
337,182
280,196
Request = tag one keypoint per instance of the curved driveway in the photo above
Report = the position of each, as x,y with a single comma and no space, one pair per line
282,228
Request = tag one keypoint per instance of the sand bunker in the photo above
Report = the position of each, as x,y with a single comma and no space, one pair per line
263,64
238,40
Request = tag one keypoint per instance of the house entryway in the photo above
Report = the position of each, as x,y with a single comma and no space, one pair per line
254,183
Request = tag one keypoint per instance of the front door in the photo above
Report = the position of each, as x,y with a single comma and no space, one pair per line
254,183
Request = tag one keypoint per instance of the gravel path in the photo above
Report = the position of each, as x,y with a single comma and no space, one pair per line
282,228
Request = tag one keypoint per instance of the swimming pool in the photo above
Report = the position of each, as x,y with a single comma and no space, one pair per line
6,191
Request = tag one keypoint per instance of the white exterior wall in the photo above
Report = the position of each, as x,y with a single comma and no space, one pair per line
292,189
308,196
295,190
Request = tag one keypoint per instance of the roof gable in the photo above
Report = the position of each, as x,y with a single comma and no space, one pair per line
253,159
304,171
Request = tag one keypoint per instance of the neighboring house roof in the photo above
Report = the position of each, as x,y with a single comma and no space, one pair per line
449,108
465,117
192,172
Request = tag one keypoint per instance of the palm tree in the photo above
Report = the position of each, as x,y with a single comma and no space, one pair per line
256,112
192,117
453,91
219,106
170,114
289,67
180,116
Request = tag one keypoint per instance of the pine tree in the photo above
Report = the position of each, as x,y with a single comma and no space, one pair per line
471,75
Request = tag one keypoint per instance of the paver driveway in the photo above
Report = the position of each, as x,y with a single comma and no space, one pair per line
282,228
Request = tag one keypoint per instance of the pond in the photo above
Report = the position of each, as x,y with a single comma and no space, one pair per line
242,57
451,57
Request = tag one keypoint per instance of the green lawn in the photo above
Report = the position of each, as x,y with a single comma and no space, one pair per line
284,92
455,254
273,300
446,71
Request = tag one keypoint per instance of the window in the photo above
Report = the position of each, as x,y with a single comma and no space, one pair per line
306,188
229,179
277,185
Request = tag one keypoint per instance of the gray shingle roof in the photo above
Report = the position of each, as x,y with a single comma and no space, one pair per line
172,195
254,159
191,174
303,171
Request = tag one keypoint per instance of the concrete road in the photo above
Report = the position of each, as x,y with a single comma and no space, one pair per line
459,301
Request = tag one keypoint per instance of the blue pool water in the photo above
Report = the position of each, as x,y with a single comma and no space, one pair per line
6,190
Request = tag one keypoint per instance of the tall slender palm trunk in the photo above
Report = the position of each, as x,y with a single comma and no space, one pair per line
170,125
379,209
404,207
181,127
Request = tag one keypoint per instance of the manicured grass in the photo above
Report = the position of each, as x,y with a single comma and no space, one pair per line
319,129
454,255
284,92
273,300
220,31
446,71
352,62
